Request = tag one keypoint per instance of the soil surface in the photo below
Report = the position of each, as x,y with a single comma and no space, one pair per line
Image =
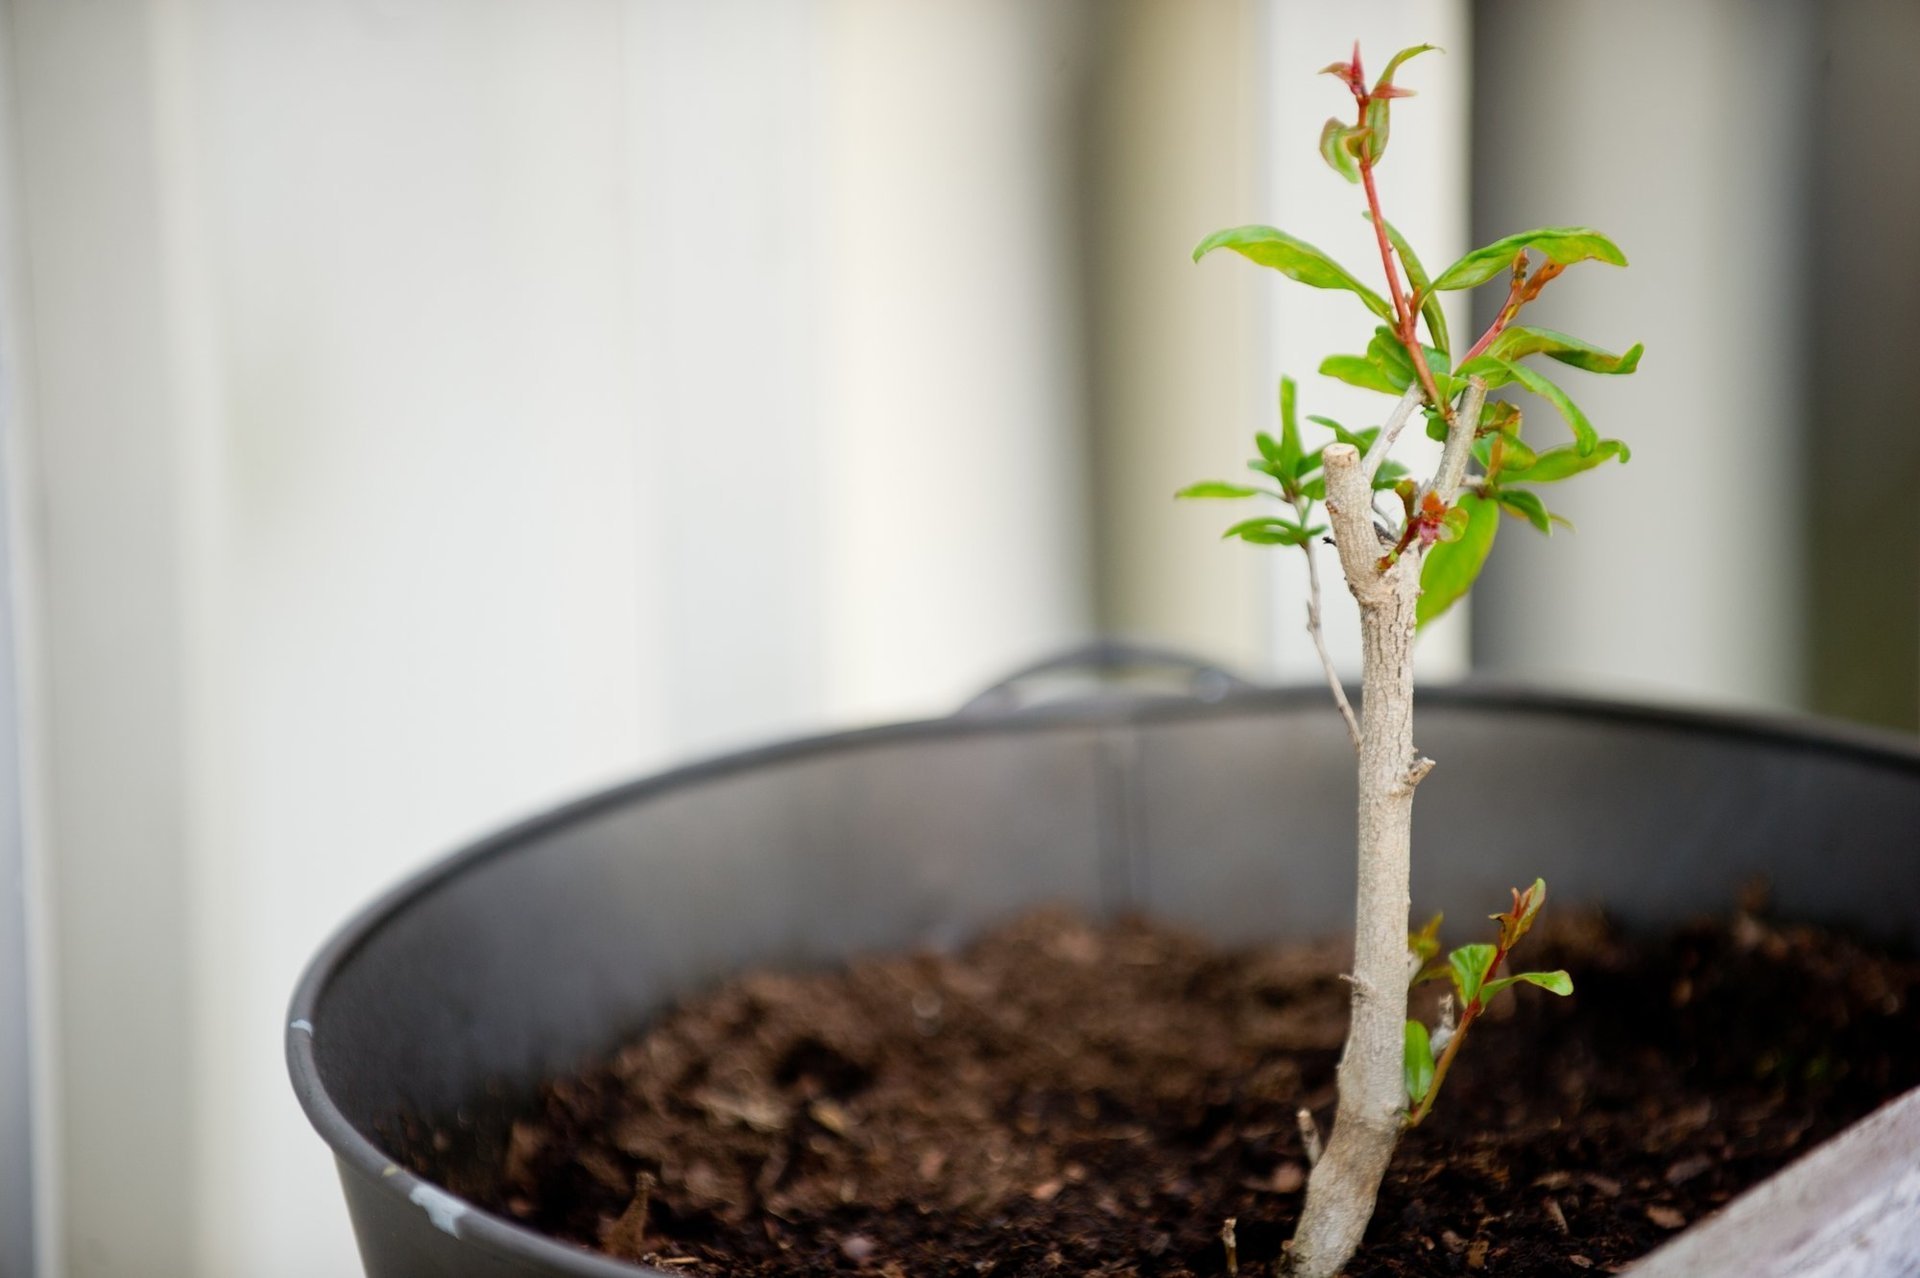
1063,1098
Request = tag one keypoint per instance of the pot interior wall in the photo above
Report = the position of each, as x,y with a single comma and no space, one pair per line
551,942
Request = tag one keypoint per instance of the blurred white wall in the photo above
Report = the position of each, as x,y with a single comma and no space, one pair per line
1687,143
1171,150
443,407
105,614
954,492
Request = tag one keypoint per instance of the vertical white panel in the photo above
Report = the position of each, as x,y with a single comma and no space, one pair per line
110,617
1174,130
1424,189
723,163
26,1166
1681,578
17,1084
953,494
29,1098
413,473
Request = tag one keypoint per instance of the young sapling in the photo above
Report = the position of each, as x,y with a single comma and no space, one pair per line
1405,566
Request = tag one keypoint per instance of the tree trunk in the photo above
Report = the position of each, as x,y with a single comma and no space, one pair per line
1344,1183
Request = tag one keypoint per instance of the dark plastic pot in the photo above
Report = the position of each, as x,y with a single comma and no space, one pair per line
1230,811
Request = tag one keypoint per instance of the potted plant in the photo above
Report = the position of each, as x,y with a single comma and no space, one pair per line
550,944
1403,571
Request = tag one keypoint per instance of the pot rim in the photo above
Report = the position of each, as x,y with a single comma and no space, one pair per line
476,1225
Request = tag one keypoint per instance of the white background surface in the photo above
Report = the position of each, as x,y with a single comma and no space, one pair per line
439,409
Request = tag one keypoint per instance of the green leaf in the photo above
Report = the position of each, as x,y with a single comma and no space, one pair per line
1271,532
1389,474
1519,341
1425,943
1387,350
1553,982
1336,151
1528,506
1358,370
1374,136
1289,427
1499,415
1563,244
1391,357
1585,437
1470,964
1436,320
1565,462
1220,489
1452,565
1530,901
1380,104
1526,907
1423,284
1361,440
1491,369
1386,367
1394,63
1308,462
1419,1062
1515,453
1295,259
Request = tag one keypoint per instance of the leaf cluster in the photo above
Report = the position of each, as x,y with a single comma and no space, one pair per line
1472,971
1297,478
1345,146
1508,469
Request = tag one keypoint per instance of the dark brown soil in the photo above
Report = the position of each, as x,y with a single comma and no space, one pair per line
1070,1099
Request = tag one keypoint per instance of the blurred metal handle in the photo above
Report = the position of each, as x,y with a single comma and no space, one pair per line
1112,661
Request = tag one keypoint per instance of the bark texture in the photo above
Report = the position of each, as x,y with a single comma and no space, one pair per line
1344,1183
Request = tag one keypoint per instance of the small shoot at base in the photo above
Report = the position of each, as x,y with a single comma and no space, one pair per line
1473,971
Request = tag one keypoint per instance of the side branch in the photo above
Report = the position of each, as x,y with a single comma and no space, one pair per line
1396,422
1459,446
1320,639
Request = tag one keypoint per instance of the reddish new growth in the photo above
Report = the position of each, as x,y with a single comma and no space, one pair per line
1406,309
1522,290
1426,521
